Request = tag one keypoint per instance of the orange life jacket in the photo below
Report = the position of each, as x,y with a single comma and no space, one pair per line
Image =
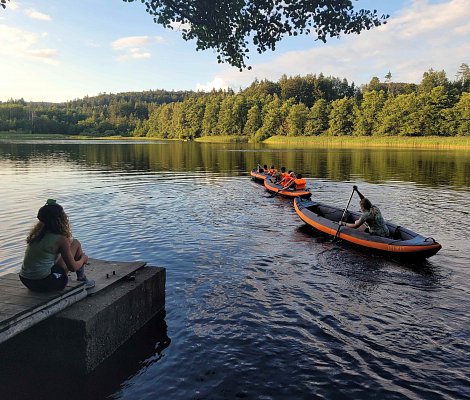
288,181
300,184
272,171
284,176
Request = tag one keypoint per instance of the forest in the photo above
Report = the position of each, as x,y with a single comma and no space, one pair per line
293,106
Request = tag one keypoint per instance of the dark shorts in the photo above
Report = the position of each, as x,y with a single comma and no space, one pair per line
57,280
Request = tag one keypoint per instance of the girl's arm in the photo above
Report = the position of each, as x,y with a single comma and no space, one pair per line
66,253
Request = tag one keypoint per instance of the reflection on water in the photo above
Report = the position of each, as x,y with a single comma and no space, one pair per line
258,306
423,166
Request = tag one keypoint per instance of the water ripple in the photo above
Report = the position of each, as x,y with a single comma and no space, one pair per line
257,305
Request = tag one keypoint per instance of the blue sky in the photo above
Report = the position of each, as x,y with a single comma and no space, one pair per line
66,49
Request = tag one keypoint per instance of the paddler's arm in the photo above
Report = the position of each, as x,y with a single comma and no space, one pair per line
357,224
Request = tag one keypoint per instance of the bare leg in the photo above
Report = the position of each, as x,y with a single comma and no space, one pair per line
76,249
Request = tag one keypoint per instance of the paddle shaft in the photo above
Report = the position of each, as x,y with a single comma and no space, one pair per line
344,213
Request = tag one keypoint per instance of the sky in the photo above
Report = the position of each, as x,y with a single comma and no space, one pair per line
62,50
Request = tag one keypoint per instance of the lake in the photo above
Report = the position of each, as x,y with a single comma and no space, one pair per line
257,305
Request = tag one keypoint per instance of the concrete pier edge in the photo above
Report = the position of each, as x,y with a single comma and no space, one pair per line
83,335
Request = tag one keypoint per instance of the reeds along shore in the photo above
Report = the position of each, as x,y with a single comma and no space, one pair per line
445,142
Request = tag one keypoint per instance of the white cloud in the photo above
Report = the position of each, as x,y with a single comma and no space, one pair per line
48,56
135,41
217,83
130,41
419,37
37,15
133,47
463,29
17,43
135,53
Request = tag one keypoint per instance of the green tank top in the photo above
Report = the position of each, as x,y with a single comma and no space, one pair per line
39,257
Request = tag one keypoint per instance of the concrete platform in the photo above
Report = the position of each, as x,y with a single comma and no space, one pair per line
83,335
21,308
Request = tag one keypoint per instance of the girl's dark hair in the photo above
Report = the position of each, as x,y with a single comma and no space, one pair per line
366,203
53,219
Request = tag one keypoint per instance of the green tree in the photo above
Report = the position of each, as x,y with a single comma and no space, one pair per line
432,79
194,114
430,115
262,88
211,115
463,77
462,110
297,119
226,120
388,81
365,114
239,113
399,116
300,89
165,117
317,123
272,121
253,121
341,117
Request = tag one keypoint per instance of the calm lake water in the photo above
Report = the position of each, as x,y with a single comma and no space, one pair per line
257,306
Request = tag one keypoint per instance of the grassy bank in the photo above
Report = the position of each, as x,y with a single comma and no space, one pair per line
29,136
222,139
116,137
454,142
462,142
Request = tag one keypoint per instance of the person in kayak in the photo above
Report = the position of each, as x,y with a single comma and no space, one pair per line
297,183
289,181
51,252
285,177
279,175
371,215
272,170
300,182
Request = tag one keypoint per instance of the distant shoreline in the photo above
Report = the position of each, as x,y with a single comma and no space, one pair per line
450,142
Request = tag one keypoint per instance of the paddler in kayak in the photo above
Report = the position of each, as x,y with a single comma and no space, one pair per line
371,216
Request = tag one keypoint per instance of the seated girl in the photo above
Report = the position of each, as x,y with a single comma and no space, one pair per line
51,252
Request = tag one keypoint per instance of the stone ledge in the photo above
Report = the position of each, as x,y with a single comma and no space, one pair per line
80,337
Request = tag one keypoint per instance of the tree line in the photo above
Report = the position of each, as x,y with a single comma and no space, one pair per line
292,106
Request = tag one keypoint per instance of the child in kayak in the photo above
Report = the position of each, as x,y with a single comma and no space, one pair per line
297,183
51,252
279,175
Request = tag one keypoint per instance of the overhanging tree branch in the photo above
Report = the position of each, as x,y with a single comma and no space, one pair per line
228,25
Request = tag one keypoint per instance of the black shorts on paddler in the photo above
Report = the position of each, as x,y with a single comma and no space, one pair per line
57,280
